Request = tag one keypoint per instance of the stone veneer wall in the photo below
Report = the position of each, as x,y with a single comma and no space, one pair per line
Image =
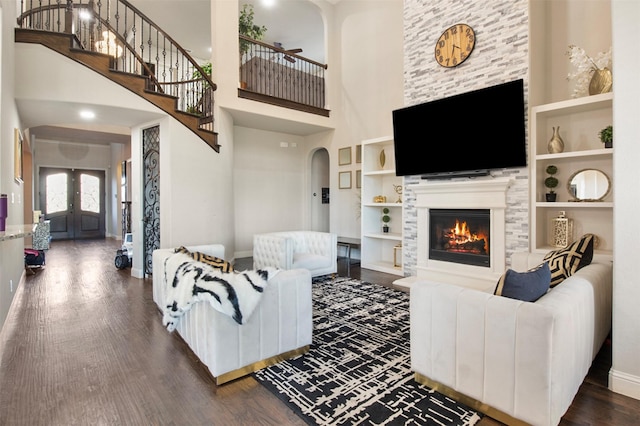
501,54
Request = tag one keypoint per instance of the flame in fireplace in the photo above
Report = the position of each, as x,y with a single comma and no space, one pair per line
460,238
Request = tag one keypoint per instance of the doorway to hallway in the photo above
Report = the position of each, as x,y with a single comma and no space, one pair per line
320,196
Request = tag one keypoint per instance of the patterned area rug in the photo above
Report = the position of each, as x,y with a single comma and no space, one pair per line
357,371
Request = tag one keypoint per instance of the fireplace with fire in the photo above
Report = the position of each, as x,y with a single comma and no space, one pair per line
460,236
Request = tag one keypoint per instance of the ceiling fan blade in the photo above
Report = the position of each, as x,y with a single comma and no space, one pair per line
290,59
298,50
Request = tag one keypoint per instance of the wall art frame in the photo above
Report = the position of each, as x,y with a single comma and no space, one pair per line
17,156
344,180
344,156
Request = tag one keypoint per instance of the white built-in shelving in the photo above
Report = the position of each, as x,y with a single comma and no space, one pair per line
379,249
580,121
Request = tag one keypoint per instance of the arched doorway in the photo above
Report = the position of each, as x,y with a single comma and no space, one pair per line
320,196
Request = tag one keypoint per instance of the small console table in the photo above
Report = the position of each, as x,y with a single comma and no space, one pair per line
348,244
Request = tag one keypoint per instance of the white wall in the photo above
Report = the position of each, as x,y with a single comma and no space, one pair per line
269,184
119,153
625,371
366,47
196,194
554,26
11,251
364,82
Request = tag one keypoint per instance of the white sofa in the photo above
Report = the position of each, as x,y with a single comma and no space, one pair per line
515,361
279,328
311,250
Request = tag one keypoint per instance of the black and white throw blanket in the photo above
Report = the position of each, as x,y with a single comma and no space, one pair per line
358,370
188,281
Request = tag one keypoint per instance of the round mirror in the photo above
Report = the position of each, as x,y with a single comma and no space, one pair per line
589,185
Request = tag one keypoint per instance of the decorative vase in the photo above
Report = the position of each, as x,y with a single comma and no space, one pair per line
550,196
601,81
385,228
556,144
608,144
383,158
562,231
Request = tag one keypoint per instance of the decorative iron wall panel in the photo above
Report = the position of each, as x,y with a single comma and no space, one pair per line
151,188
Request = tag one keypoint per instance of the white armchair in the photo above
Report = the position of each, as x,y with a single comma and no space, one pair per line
281,327
315,251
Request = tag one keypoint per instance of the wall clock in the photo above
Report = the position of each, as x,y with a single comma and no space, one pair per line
455,45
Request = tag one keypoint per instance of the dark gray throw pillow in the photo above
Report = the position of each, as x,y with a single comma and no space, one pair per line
527,286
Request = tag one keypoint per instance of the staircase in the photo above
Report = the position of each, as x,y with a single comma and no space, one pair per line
167,76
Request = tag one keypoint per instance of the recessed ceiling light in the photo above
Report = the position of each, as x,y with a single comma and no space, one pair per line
85,15
268,3
87,115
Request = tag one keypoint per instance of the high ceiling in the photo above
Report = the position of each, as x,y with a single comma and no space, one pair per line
294,23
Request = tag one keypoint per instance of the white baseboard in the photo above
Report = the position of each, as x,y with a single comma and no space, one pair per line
625,384
137,273
242,254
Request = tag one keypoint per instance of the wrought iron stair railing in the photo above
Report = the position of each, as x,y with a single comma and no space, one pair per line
278,76
135,45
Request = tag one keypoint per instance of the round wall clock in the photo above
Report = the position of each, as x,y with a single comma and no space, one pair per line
455,45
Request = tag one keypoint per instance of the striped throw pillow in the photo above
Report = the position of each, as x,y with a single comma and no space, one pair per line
565,262
213,261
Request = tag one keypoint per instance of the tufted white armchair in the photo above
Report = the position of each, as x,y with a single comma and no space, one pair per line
315,251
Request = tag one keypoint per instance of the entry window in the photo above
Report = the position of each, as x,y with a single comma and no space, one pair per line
56,193
89,193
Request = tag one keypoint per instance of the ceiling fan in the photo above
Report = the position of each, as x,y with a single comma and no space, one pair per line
288,51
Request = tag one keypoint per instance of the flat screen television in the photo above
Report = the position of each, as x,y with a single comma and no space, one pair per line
468,134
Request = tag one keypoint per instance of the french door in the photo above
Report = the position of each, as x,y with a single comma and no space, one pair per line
74,202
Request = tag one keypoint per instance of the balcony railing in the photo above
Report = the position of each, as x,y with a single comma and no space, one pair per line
135,43
281,77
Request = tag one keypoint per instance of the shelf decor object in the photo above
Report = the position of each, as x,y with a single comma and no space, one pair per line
562,231
592,75
556,144
383,159
398,189
385,220
551,182
397,248
601,81
606,136
589,185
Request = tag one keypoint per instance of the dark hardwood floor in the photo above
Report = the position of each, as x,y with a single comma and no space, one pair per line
84,344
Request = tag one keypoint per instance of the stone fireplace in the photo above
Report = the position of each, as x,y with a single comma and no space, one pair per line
461,231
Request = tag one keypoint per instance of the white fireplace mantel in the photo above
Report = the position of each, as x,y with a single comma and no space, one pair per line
489,193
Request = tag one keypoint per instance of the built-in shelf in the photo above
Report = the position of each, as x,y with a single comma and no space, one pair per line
580,120
379,249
